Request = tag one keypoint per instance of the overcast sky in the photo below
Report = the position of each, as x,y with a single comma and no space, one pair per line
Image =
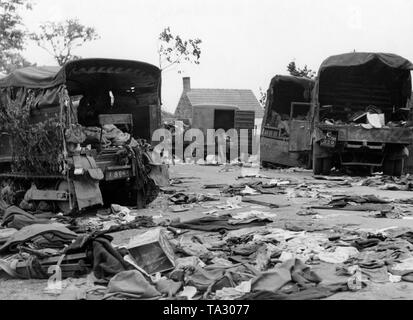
245,42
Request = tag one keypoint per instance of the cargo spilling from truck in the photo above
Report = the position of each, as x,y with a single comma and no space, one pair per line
79,136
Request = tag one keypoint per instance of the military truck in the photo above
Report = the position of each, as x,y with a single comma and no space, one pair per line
360,113
286,123
78,136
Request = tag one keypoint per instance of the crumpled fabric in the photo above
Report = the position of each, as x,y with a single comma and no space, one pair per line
340,255
234,293
217,224
312,293
5,234
202,279
192,248
131,285
168,287
116,136
402,268
293,270
16,218
33,269
107,261
42,236
376,274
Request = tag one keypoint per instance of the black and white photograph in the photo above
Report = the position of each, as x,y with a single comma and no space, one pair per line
203,156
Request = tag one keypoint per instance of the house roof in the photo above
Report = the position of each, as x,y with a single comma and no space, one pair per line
245,100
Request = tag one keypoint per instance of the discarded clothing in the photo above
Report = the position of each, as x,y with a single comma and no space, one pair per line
365,243
168,287
5,234
32,268
378,275
403,268
41,236
107,261
291,270
217,224
308,226
313,293
192,248
16,218
182,198
130,285
340,255
234,293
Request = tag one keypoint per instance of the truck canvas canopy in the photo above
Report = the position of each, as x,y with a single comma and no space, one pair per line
350,81
82,75
286,89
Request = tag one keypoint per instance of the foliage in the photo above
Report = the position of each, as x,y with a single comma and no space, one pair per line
174,50
263,97
36,147
298,72
59,39
12,34
11,61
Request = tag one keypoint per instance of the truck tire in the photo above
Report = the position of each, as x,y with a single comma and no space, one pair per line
388,167
398,167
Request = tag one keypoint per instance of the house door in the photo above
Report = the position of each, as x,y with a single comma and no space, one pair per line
245,120
224,119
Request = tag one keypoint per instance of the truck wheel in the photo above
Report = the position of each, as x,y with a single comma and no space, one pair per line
398,167
388,167
327,165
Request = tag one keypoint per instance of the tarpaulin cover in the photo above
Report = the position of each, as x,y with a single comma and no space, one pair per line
287,89
387,75
79,77
304,82
48,77
33,77
360,58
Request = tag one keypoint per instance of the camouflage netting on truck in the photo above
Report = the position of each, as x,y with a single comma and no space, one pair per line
37,147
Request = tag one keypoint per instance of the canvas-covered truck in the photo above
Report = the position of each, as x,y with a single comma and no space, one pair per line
286,124
361,115
79,136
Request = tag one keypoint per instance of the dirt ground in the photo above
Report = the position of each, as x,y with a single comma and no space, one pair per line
193,180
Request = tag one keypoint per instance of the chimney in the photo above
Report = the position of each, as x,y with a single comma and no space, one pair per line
187,84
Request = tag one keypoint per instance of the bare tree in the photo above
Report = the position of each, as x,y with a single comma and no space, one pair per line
174,50
59,39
